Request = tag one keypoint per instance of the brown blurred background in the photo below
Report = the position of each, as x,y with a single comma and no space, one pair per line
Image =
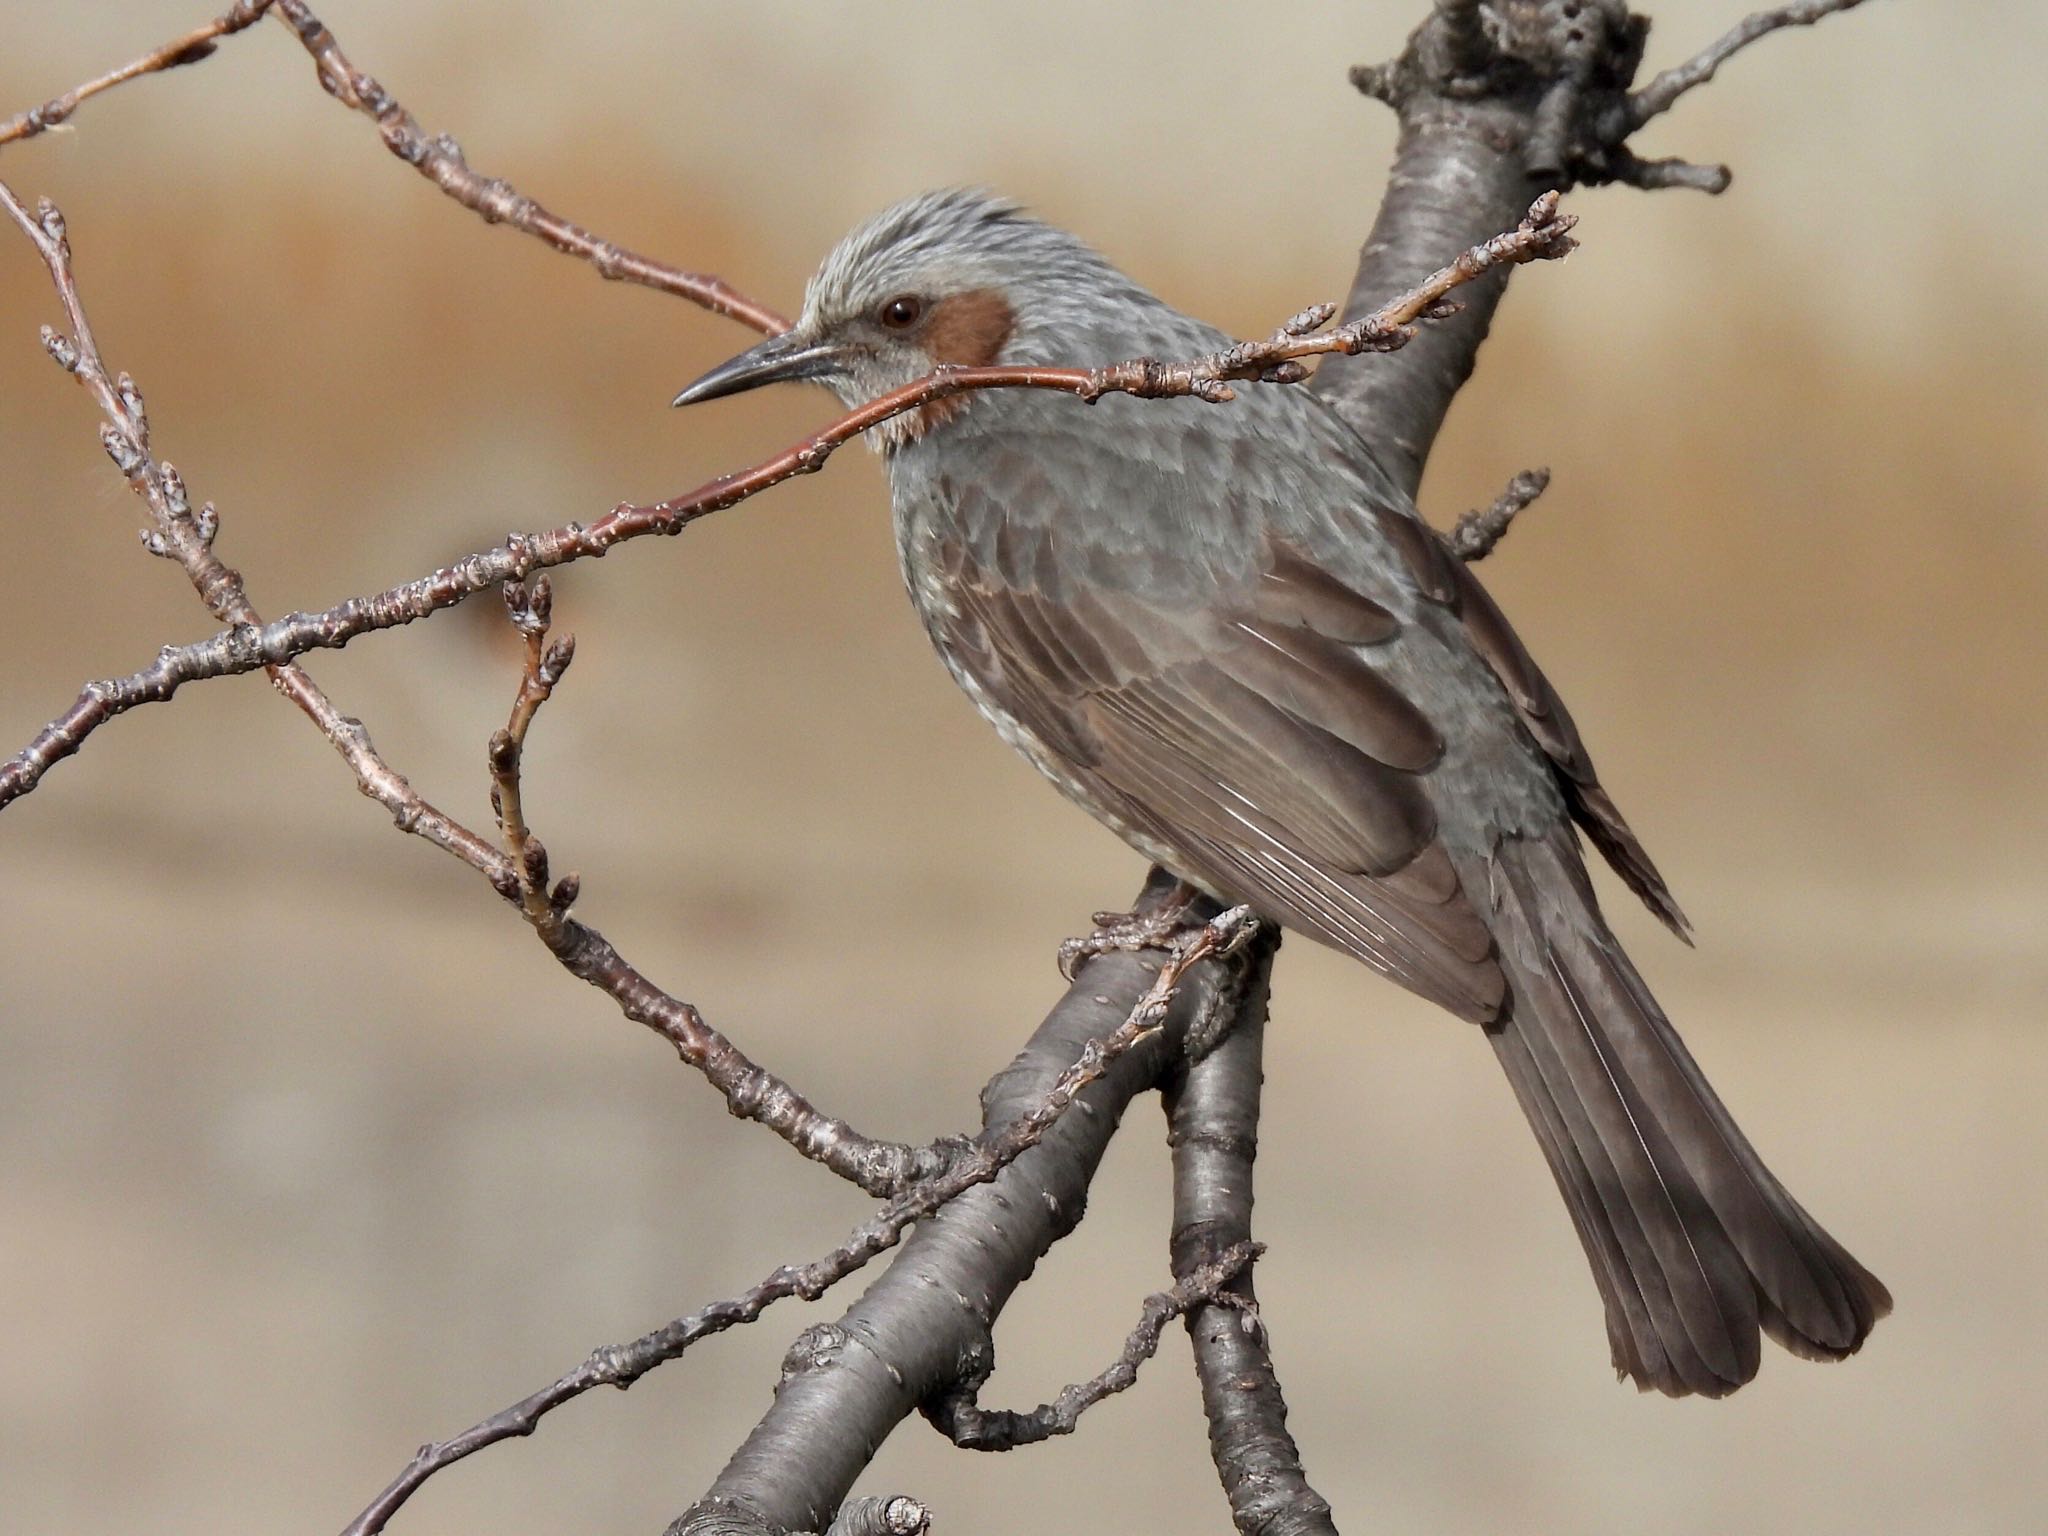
308,1152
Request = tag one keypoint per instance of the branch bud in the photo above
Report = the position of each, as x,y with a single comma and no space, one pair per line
122,449
131,401
174,490
63,351
557,660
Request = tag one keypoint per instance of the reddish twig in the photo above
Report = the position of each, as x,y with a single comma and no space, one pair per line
189,48
960,1419
1543,234
439,159
985,1157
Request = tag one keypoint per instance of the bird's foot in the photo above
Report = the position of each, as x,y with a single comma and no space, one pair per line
1131,932
1213,1021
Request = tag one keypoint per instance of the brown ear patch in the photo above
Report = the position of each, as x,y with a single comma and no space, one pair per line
969,330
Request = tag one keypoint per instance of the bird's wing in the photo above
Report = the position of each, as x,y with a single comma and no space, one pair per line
1255,741
1444,579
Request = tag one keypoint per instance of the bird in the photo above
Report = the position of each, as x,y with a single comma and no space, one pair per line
1227,633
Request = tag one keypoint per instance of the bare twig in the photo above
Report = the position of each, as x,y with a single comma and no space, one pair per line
439,159
188,48
185,535
1662,93
880,1168
529,605
436,157
1478,531
957,1416
1544,234
622,1365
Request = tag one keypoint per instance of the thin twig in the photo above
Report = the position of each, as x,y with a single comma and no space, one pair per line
186,536
188,48
751,1092
1662,93
879,1168
958,1417
1544,234
622,1365
439,158
1476,533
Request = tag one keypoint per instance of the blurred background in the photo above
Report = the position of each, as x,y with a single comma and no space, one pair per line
308,1152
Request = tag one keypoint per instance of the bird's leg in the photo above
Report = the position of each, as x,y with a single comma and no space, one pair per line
1133,931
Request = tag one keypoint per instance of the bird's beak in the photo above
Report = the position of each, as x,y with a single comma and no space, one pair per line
775,361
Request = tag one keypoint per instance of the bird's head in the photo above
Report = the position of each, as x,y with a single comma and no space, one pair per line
958,277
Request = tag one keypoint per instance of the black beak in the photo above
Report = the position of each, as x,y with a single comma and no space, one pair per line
775,361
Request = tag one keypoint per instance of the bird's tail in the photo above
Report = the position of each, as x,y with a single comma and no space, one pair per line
1695,1246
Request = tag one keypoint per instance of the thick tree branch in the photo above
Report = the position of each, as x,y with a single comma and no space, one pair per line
1499,102
1543,233
1213,1122
1090,1077
925,1324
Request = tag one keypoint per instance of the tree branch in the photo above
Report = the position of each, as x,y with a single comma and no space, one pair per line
958,1416
925,1324
1542,234
436,157
1087,1077
439,159
880,1168
1499,102
1213,1120
186,536
1662,93
187,48
1478,531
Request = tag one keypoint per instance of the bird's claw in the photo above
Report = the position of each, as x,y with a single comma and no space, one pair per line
1130,932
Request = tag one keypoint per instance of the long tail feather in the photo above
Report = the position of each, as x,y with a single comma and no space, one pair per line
1696,1247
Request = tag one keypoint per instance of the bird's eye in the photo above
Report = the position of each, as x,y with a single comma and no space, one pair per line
901,312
